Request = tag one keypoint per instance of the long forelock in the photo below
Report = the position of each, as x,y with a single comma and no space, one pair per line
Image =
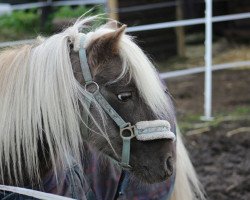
142,71
146,77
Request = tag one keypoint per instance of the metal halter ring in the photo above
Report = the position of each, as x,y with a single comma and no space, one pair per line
88,84
129,129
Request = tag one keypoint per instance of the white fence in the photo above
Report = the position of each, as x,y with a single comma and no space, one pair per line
55,3
208,68
208,21
33,193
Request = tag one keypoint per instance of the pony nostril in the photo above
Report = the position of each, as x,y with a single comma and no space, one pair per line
169,166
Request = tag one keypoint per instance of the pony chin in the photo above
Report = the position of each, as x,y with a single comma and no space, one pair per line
149,177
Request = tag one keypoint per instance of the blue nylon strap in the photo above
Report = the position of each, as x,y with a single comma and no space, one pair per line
109,110
125,152
97,95
84,63
104,104
120,122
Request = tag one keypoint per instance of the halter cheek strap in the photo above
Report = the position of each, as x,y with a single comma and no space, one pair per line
95,94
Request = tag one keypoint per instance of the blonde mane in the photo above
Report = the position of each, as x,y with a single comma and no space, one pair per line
40,97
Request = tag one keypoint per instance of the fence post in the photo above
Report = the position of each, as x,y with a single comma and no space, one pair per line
46,10
208,62
180,31
113,9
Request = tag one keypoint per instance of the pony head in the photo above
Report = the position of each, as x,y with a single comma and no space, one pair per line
43,104
129,82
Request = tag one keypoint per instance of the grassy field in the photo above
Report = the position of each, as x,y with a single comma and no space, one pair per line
192,124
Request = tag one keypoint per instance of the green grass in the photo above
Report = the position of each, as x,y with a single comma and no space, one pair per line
244,110
194,122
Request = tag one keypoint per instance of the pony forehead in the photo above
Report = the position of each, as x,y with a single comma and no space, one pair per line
139,67
141,70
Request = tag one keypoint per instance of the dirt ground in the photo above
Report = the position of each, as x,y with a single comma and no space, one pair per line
220,150
231,88
222,160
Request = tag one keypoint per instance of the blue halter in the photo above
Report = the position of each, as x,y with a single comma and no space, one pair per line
141,130
124,126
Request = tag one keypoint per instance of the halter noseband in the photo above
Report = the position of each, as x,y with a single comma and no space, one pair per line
144,130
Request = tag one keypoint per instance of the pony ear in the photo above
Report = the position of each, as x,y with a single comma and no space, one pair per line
113,24
109,43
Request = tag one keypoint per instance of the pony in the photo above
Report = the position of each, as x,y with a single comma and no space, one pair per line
45,119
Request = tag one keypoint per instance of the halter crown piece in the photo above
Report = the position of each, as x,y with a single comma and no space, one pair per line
143,130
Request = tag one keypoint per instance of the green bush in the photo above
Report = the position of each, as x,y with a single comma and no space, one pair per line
27,24
67,12
19,24
64,16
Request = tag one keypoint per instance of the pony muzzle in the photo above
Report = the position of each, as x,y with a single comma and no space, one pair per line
153,130
143,131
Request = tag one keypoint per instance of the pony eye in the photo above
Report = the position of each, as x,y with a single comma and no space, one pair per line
124,96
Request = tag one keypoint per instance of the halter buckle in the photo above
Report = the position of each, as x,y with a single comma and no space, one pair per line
127,132
90,89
